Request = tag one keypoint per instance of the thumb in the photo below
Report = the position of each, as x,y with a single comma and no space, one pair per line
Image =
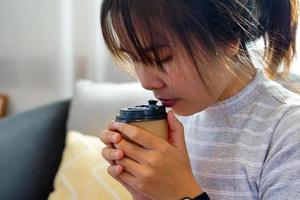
176,132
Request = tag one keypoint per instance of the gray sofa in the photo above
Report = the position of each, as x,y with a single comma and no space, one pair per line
31,146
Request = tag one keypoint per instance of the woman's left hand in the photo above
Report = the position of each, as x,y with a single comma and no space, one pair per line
157,168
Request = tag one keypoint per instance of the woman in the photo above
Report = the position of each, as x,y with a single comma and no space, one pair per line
241,136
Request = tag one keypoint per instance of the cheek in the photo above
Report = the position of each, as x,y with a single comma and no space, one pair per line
192,92
188,87
184,79
187,81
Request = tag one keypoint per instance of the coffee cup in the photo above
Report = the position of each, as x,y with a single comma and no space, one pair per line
151,117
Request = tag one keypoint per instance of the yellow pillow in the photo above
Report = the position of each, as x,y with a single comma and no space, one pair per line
82,174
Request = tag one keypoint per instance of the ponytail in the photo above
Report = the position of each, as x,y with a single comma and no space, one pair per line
278,21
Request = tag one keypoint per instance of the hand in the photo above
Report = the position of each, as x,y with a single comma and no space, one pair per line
154,167
111,155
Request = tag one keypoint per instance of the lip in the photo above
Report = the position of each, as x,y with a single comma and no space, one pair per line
168,102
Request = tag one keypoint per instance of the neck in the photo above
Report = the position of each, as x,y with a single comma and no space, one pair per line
240,79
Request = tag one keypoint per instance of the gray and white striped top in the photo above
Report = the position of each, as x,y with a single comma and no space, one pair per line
248,146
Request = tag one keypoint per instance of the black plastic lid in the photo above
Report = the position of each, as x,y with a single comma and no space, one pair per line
142,113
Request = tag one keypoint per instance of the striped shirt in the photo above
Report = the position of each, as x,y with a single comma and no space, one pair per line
248,146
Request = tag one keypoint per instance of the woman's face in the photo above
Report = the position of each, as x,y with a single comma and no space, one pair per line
179,86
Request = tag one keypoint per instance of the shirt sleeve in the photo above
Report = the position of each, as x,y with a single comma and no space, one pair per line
280,177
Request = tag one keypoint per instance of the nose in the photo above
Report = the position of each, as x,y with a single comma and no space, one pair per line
149,77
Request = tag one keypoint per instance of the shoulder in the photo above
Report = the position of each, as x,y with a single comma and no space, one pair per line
275,101
287,115
277,93
288,108
288,126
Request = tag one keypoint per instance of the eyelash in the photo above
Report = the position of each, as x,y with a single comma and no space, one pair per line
165,60
159,63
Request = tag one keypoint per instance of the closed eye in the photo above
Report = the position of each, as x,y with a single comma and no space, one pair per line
165,60
162,57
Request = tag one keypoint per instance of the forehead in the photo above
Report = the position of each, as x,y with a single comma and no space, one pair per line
141,22
140,33
142,30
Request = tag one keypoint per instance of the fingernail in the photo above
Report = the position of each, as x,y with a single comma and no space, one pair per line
117,154
116,124
118,168
171,113
115,137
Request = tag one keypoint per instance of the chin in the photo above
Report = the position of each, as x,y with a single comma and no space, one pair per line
184,112
187,109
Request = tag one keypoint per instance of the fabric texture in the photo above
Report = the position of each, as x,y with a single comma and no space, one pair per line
248,146
96,104
83,175
31,146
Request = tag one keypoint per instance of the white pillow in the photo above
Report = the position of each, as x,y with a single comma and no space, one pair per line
95,104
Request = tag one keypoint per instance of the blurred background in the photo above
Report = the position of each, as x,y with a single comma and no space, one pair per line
47,45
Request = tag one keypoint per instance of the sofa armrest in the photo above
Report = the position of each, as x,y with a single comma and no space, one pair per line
3,104
31,146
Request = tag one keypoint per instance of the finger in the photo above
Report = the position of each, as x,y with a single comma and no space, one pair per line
111,126
133,151
109,137
140,136
123,183
115,170
112,162
128,178
111,155
176,131
130,166
128,187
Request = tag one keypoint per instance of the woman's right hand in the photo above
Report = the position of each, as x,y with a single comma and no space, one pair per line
111,154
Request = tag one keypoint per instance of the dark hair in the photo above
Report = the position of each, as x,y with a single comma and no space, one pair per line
214,23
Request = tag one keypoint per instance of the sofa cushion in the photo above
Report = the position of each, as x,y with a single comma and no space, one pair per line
94,105
31,146
82,174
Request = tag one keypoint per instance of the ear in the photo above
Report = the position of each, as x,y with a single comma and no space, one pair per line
231,49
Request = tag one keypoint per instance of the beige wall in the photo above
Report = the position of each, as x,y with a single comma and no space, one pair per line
45,45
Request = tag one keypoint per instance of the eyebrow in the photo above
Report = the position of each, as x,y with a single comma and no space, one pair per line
156,47
153,47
